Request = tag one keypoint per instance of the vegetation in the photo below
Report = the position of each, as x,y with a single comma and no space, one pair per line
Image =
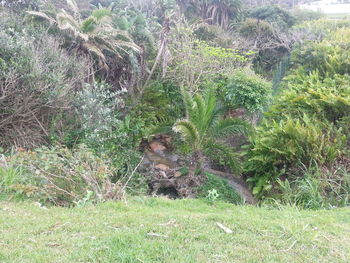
305,126
217,189
203,125
246,90
171,231
104,101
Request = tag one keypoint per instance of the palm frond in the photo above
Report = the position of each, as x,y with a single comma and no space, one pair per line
188,131
115,46
101,13
210,99
89,24
67,22
210,108
213,149
162,128
41,15
97,53
228,127
188,102
199,112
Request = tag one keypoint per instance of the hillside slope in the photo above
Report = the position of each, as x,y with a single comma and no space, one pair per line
161,230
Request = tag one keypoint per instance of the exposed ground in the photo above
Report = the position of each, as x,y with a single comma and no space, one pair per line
162,230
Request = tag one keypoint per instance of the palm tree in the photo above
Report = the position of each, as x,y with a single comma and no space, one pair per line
218,12
203,127
94,36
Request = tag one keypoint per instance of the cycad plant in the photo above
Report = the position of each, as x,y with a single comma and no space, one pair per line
94,36
204,128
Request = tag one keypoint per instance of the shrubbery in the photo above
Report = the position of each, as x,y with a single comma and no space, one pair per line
59,176
279,148
96,83
306,127
247,90
37,80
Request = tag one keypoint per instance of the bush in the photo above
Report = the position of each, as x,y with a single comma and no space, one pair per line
224,192
280,147
246,89
326,99
104,130
253,28
307,126
328,57
319,29
275,15
37,80
59,176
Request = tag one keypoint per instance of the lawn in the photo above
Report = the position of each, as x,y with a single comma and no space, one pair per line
161,230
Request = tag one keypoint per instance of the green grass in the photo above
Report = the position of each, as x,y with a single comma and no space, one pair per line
161,230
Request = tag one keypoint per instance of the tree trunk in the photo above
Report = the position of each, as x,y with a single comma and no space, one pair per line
196,163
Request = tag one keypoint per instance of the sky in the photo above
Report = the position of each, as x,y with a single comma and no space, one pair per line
328,7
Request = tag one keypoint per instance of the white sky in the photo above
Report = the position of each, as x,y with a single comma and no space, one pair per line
328,7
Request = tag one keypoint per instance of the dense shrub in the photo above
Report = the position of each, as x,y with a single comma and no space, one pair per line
259,30
17,5
317,30
103,128
325,57
59,176
247,90
279,147
274,14
327,99
37,80
304,137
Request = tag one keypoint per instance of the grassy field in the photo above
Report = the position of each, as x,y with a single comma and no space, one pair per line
160,230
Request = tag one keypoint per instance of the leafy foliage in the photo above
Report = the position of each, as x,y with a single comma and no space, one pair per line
327,99
59,176
246,89
305,127
37,80
194,63
204,125
287,144
274,14
94,36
